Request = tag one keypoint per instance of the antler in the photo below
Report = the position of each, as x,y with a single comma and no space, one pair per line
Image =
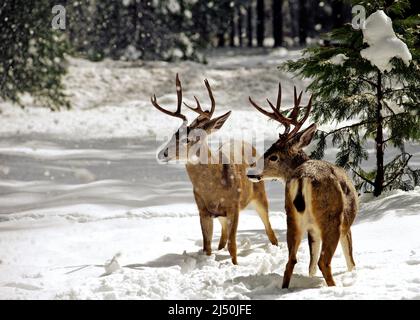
177,113
204,114
292,119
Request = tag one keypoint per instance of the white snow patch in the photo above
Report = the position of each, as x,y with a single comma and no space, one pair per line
383,42
339,59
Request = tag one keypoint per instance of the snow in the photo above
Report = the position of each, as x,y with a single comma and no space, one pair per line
60,258
383,42
112,99
87,213
339,59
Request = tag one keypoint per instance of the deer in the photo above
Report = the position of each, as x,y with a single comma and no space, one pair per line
320,198
221,190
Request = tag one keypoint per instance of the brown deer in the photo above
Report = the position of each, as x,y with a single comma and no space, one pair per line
320,199
220,190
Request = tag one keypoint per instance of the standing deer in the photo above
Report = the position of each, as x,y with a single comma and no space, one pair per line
220,190
320,198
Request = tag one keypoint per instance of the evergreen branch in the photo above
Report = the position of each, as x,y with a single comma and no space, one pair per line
359,124
363,178
373,84
346,127
390,138
399,172
388,107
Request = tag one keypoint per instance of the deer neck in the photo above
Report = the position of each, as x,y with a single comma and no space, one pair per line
300,158
203,148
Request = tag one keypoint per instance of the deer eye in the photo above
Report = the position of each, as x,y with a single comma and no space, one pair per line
273,158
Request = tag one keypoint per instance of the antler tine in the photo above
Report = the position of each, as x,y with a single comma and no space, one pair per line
264,112
279,98
276,114
286,121
279,117
198,109
295,111
213,102
299,124
297,99
179,94
177,113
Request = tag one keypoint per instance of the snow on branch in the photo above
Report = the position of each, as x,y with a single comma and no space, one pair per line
383,43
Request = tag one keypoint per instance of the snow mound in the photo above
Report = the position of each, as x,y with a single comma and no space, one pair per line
383,43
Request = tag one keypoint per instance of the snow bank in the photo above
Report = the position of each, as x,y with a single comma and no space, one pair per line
383,43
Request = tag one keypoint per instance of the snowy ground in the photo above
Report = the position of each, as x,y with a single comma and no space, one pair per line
80,187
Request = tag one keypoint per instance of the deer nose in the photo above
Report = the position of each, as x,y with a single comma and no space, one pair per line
254,177
253,174
163,155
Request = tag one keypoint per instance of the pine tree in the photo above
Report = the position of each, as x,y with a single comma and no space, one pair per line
133,29
31,53
384,106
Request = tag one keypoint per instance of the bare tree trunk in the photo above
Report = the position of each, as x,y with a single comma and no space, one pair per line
260,22
221,39
277,22
379,139
249,28
232,27
303,28
337,13
240,26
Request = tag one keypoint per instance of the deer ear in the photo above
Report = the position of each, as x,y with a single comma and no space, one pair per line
302,139
216,123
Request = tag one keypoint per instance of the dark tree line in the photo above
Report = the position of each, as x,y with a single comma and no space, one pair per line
32,54
168,29
251,22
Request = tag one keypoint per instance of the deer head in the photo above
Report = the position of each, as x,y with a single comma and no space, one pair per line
184,139
286,154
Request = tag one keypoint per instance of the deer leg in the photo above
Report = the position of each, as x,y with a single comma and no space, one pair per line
224,237
261,205
294,236
207,229
347,246
232,224
314,242
329,244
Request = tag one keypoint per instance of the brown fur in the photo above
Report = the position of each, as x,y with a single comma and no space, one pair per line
221,190
320,199
216,198
330,201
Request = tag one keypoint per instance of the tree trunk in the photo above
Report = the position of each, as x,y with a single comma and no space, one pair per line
232,27
240,26
337,13
303,32
294,20
260,22
277,23
249,29
379,139
221,39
